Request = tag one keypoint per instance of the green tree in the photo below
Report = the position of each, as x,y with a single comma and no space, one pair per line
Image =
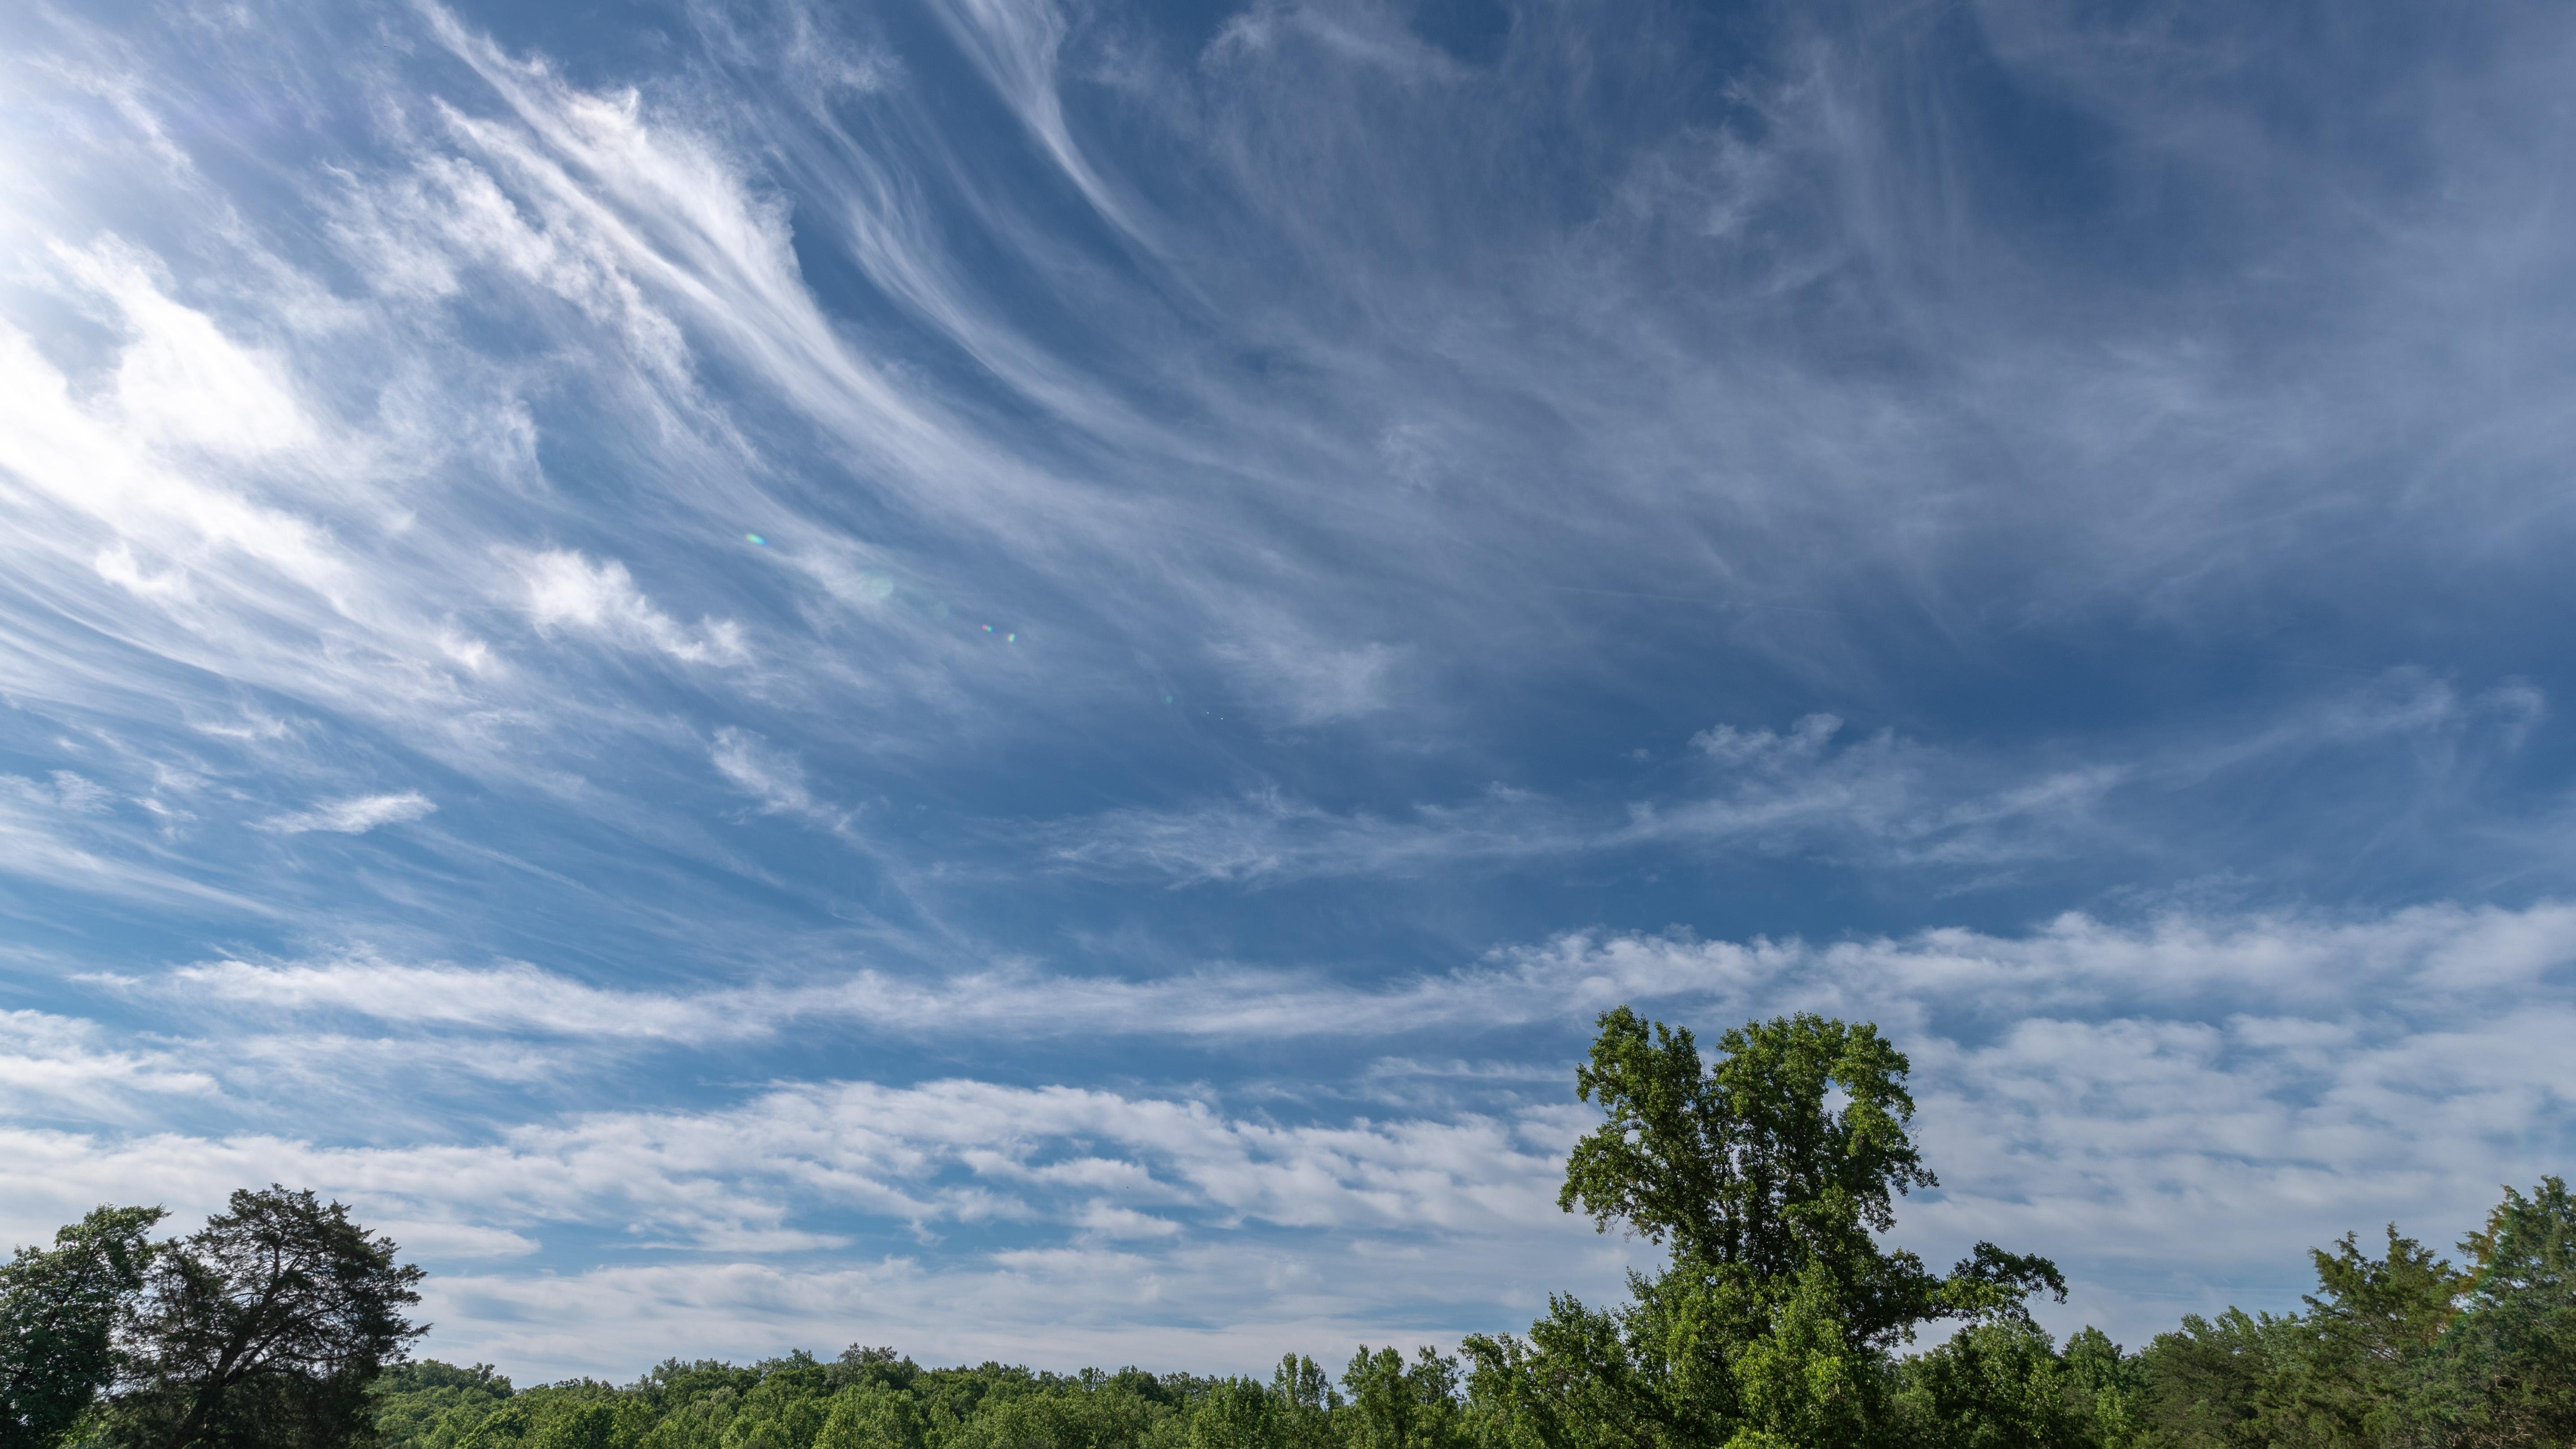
785,1410
1770,1175
872,1415
1997,1386
1305,1402
265,1329
2368,1329
1396,1405
578,1414
436,1405
2505,1372
1238,1414
59,1309
2225,1382
2106,1386
1096,1411
593,1425
1579,1380
1746,1162
2349,1373
1791,1150
1798,1382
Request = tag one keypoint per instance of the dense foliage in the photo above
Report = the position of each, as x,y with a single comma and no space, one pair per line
2396,1350
265,1329
59,1310
1771,1174
268,1328
1780,1321
873,1399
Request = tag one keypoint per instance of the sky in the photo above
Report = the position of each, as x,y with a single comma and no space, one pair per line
1009,677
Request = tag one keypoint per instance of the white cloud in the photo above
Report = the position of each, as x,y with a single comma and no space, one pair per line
1805,743
1268,836
355,815
65,791
565,590
514,997
51,1064
1014,43
116,564
1076,1166
2428,963
772,777
181,381
1307,684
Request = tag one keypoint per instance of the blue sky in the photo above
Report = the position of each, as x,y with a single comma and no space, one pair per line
1007,677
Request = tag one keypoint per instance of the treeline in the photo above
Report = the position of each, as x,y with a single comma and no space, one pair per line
1780,1321
2361,1368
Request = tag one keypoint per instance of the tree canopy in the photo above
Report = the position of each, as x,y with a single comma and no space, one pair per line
264,1329
1770,1174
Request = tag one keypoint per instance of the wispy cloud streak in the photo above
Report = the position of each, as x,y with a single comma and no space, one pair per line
356,815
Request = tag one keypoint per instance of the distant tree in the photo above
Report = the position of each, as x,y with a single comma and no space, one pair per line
872,1415
2106,1386
59,1308
432,1403
2223,1382
1306,1402
786,1410
1093,1411
862,1365
1238,1414
2355,1371
1395,1405
265,1329
578,1414
595,1426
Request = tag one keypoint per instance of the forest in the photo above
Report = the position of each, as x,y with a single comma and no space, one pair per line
1780,1319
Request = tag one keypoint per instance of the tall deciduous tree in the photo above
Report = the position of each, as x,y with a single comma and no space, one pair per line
264,1330
1790,1151
1748,1162
59,1308
1769,1175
